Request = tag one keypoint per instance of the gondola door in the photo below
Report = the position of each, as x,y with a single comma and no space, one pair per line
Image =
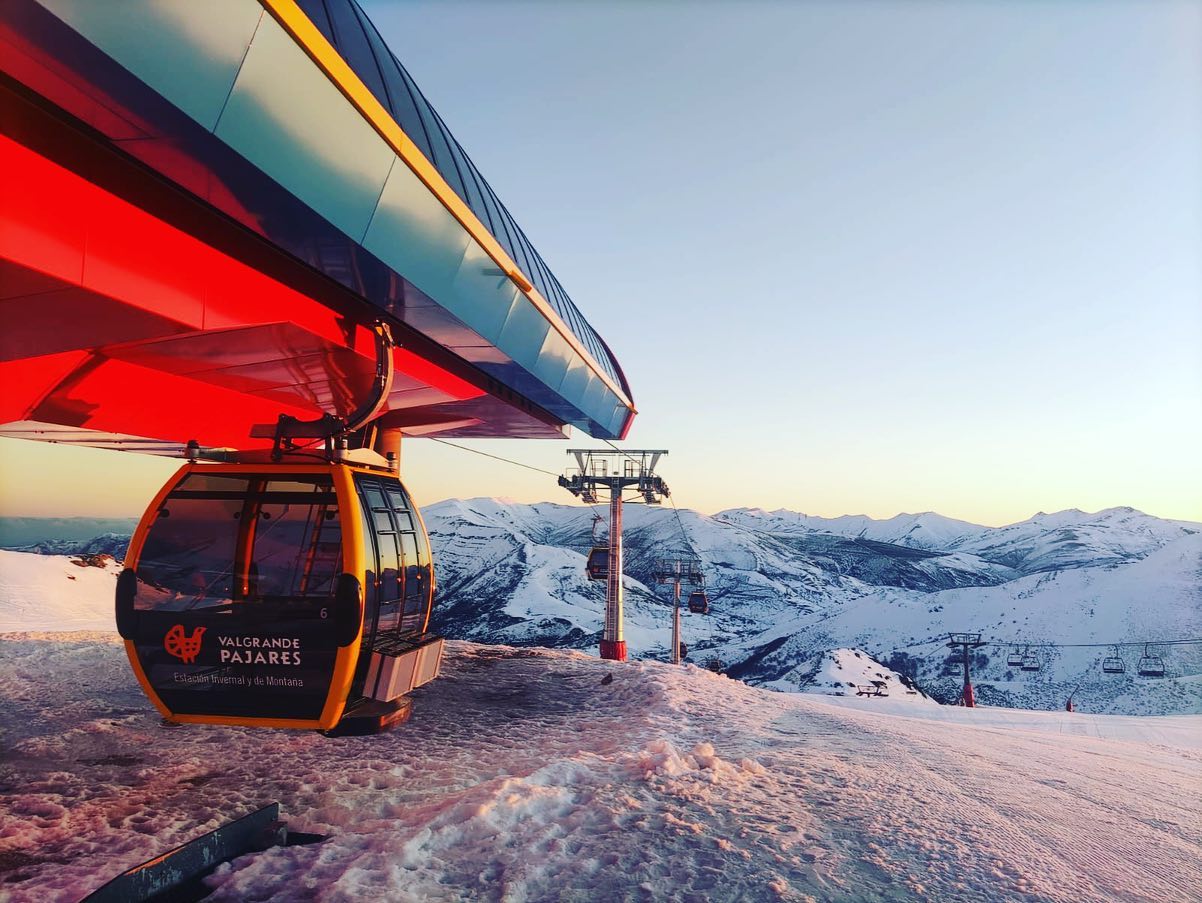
399,590
240,603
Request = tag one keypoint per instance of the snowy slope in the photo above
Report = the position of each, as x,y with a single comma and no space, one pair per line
851,672
505,569
1044,542
16,532
1075,538
1154,598
781,595
52,592
114,545
522,777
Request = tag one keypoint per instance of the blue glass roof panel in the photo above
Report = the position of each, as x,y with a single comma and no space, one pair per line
420,121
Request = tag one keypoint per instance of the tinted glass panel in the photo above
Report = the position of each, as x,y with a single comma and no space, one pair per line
442,150
383,520
478,202
517,252
297,551
541,280
404,585
498,226
412,559
391,586
404,111
415,585
502,234
353,46
227,541
474,198
316,11
370,589
390,567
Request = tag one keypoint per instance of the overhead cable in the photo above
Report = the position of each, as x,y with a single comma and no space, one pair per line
477,451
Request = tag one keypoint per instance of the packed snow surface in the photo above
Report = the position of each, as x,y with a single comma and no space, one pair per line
522,776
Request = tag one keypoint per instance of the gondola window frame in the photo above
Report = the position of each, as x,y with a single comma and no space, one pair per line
390,594
389,504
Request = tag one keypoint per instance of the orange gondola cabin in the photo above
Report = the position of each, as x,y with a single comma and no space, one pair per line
279,595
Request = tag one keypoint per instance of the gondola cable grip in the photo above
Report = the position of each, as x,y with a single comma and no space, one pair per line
328,426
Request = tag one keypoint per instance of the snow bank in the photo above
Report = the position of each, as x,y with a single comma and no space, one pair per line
54,592
523,777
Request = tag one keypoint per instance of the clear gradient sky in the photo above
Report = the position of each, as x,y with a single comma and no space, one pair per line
855,257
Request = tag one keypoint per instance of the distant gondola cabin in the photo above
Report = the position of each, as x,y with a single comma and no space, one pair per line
598,563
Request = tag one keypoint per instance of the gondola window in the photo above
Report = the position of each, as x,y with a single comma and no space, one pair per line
225,541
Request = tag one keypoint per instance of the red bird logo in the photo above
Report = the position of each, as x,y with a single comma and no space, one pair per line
185,648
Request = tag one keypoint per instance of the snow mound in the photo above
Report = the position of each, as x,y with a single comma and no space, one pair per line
853,672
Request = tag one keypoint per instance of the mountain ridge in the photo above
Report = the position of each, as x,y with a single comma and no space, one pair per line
783,594
782,597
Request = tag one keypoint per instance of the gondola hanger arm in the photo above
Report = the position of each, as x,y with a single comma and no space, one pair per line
329,426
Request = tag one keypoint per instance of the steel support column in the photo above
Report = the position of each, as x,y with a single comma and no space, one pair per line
676,623
613,643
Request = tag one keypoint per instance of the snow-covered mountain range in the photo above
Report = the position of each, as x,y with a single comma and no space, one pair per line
786,589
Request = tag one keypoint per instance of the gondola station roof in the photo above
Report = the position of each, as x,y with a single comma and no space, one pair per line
207,205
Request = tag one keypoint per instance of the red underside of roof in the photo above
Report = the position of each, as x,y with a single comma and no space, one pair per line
116,321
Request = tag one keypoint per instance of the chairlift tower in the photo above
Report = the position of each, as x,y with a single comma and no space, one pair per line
616,470
966,642
677,570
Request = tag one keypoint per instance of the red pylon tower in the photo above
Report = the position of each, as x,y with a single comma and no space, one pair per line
617,470
676,570
966,642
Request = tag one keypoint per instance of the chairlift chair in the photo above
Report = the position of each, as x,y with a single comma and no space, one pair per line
1030,662
1151,665
1113,664
1015,658
872,688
